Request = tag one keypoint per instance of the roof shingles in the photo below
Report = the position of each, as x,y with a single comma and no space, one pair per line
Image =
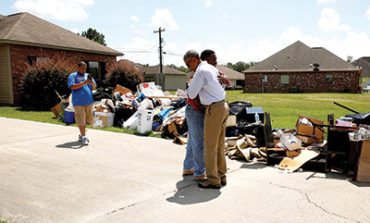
165,70
300,57
24,28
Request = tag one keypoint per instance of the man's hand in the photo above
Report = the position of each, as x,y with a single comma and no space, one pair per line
90,81
222,78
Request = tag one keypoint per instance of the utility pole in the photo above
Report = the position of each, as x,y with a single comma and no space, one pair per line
160,30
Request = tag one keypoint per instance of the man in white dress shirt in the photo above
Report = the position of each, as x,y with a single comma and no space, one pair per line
205,84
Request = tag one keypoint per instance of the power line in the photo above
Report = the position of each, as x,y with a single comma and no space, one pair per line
160,30
173,54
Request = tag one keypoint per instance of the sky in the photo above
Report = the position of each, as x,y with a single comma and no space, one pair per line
237,30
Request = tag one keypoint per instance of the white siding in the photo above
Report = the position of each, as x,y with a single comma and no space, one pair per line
6,85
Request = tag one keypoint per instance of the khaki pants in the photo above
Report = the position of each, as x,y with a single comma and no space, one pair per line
83,115
214,141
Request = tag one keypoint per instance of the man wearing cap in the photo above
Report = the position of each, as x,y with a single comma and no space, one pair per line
211,94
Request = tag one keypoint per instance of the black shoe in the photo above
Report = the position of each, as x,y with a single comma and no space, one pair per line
208,185
223,181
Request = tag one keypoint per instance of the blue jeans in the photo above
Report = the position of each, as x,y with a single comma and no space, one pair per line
194,147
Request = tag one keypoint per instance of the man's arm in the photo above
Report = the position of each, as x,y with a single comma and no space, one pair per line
72,84
80,85
93,84
195,85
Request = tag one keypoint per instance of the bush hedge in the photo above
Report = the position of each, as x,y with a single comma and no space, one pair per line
40,82
124,73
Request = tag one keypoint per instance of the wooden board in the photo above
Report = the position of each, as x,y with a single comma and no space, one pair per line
292,164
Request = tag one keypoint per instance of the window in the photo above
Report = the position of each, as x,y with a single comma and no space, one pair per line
284,79
42,59
32,60
264,79
97,69
329,77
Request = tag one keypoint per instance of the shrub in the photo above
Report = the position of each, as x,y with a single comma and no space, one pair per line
124,73
40,81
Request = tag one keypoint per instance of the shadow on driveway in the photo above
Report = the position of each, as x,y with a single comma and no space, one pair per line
70,145
189,193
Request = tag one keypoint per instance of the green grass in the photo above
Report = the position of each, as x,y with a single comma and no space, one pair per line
365,80
48,117
38,116
284,108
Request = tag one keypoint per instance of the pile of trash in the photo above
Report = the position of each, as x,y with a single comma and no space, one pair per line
312,145
149,109
341,145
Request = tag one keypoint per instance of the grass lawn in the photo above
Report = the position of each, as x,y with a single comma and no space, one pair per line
44,116
284,108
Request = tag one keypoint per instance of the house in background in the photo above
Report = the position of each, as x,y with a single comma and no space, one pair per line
364,64
236,78
170,79
299,68
25,38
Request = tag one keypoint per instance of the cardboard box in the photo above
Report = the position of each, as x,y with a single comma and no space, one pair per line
57,109
122,90
305,127
103,119
290,142
304,139
363,171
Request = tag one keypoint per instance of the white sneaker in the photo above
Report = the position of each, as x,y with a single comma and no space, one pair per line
85,141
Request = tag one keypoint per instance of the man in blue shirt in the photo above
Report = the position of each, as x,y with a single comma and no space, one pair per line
82,85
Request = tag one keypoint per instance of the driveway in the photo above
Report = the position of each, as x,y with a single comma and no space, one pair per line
45,176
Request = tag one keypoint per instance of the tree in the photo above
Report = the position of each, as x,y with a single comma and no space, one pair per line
230,65
180,68
94,35
349,59
240,66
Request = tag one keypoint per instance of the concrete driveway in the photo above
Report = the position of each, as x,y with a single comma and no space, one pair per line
45,176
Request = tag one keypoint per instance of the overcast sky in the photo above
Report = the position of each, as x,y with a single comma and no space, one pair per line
238,30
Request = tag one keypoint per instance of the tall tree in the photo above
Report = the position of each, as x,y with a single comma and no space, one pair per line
241,66
230,65
94,35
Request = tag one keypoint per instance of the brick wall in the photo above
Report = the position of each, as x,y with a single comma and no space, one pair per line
341,81
19,58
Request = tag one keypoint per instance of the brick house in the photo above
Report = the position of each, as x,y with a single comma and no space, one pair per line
25,38
299,68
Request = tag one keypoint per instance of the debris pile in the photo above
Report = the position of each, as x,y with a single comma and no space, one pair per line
340,145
